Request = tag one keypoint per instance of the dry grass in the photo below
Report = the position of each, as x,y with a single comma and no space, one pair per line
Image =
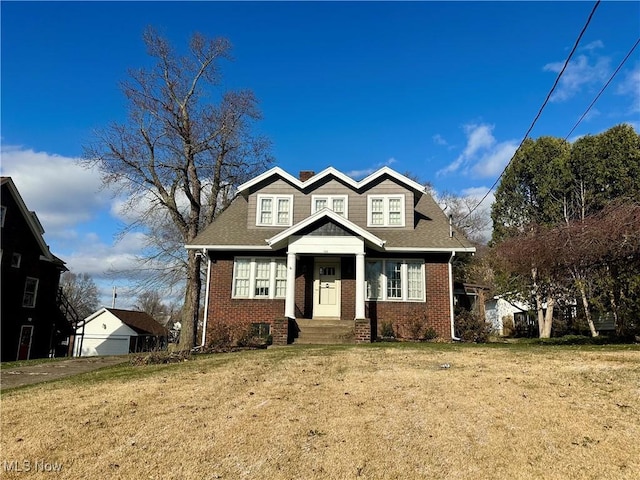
371,412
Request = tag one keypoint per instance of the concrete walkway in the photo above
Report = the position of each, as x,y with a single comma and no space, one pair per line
54,369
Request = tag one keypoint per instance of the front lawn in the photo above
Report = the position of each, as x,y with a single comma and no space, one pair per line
406,411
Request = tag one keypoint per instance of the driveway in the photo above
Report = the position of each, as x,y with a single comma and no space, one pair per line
19,376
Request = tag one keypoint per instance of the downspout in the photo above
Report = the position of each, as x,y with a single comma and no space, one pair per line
206,300
453,329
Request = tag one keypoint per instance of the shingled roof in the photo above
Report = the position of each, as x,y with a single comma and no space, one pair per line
431,227
141,322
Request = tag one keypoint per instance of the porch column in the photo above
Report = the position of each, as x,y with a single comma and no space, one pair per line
360,286
290,299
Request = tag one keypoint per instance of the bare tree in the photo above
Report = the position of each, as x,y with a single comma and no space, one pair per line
180,154
81,292
475,224
149,301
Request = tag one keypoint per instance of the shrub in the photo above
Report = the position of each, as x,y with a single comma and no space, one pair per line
471,328
508,327
430,334
415,328
386,330
157,358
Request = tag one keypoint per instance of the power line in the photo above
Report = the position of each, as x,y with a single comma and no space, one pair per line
603,88
544,104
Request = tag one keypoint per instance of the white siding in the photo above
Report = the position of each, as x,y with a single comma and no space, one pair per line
104,334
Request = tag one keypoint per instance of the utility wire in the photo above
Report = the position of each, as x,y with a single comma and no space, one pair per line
544,104
603,88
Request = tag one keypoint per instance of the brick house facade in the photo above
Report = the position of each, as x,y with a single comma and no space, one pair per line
375,252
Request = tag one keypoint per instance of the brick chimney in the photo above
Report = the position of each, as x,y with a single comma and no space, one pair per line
305,175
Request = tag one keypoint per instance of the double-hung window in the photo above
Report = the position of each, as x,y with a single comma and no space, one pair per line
395,280
385,211
337,203
259,278
30,292
275,210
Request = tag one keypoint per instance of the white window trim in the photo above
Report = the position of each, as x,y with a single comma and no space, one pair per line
330,199
18,258
252,278
385,210
35,292
274,213
3,214
404,276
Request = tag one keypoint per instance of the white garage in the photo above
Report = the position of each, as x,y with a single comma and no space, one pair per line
111,331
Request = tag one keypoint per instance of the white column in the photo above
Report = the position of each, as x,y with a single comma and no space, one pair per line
290,300
360,286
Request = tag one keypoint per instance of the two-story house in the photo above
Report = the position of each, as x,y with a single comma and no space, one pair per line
293,251
33,324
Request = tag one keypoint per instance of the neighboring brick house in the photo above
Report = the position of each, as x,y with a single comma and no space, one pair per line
33,324
370,252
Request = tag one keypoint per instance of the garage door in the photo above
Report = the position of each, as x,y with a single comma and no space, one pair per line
92,346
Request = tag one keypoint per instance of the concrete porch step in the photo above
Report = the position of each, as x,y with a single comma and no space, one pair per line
324,331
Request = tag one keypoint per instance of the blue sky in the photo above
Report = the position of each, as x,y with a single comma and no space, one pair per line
442,90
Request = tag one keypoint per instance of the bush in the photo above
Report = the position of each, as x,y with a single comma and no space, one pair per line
430,334
386,330
158,358
415,328
471,328
508,327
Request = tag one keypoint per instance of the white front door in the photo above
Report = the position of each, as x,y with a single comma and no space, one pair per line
326,289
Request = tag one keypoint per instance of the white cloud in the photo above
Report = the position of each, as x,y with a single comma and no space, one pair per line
483,155
493,161
583,72
630,85
439,139
479,137
57,188
359,174
593,45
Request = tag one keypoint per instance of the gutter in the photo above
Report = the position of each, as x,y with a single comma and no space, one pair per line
453,329
206,301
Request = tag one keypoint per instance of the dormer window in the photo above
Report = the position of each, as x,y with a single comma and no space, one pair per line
385,211
337,203
275,210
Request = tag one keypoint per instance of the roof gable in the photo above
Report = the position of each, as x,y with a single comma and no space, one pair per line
317,217
31,219
332,172
140,322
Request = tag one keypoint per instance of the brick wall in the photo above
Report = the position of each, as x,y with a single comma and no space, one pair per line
363,330
433,313
226,310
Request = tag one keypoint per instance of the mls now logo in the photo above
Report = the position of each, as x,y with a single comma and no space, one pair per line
30,466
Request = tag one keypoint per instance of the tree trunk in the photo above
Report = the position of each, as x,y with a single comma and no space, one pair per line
191,303
544,321
545,329
585,305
